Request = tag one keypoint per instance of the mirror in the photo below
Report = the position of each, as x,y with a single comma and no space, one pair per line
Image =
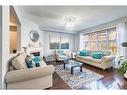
34,35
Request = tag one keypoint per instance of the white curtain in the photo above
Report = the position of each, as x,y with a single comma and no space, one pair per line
121,36
81,42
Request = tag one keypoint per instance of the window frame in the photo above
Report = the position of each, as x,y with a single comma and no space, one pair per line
107,41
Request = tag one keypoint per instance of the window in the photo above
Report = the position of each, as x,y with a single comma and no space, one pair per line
86,42
64,43
100,40
93,41
54,42
112,40
57,42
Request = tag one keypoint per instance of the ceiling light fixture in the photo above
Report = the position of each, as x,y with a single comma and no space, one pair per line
69,23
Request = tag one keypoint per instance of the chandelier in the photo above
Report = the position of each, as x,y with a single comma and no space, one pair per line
69,23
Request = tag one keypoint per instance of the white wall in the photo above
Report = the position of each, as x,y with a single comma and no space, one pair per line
0,47
5,41
71,38
77,42
26,26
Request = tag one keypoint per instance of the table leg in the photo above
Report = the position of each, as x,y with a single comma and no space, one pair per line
80,68
71,70
64,65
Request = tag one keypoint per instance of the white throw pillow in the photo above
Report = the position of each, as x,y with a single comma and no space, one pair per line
19,62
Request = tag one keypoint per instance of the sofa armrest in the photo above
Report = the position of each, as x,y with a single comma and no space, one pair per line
108,58
28,74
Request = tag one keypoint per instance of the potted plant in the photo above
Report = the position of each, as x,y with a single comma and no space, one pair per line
122,61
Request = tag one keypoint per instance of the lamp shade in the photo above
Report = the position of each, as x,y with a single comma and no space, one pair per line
124,44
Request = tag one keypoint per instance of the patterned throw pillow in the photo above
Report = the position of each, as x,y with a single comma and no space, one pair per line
30,63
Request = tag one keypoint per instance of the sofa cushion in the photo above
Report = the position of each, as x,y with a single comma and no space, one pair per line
105,53
19,62
96,60
88,58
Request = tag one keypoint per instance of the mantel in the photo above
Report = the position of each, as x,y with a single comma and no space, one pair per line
33,50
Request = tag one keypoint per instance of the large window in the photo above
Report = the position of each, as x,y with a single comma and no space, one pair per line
57,42
101,40
93,41
86,40
112,40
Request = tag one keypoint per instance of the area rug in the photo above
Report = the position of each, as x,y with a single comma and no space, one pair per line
78,79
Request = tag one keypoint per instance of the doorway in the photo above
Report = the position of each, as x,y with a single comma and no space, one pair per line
15,32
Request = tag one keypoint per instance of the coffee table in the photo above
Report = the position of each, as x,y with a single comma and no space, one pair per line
73,64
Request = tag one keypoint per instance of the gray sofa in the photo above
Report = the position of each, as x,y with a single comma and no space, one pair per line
105,62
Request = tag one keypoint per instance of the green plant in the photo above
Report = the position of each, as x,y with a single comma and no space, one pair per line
122,61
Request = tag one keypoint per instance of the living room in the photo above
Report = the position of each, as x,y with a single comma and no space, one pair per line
78,47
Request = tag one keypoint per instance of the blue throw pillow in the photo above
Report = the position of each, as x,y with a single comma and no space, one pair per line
84,53
97,55
37,60
29,62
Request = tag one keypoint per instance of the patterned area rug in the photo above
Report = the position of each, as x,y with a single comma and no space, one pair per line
79,79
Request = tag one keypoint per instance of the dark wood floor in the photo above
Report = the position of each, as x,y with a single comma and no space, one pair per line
111,78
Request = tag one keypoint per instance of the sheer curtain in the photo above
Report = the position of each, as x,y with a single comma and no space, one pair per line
121,36
81,42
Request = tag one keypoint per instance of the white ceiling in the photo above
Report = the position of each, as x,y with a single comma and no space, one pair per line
52,17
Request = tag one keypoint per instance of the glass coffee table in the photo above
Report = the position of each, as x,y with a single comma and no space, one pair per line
73,64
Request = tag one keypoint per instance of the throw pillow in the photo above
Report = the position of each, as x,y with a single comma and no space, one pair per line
29,62
19,62
97,55
84,53
37,60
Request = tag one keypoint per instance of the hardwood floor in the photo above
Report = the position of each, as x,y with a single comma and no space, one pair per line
111,78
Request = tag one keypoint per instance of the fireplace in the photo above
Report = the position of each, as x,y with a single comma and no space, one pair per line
35,53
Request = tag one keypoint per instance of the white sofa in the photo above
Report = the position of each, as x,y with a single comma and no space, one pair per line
28,78
105,62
